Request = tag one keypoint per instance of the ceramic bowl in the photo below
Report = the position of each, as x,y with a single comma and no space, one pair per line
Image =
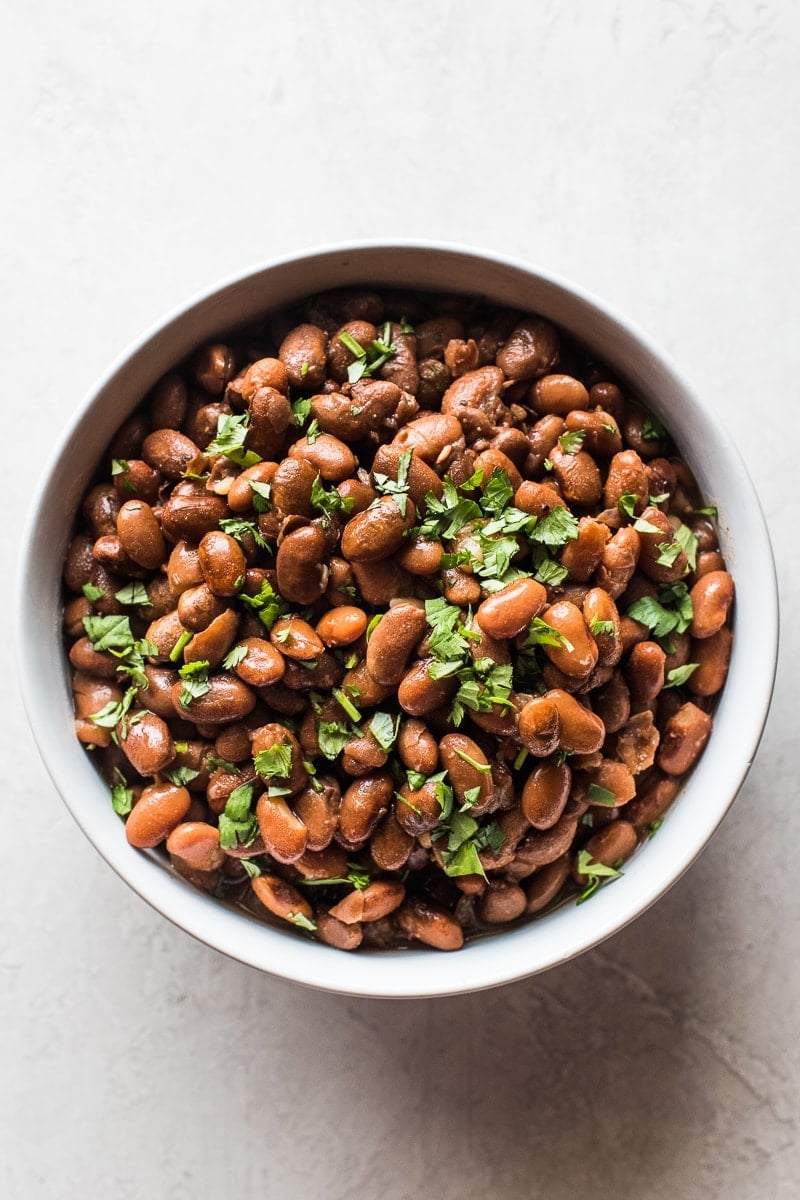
707,793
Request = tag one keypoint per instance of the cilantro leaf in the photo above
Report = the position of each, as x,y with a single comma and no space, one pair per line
678,675
92,592
572,441
276,762
383,728
231,436
134,593
239,529
329,502
595,794
109,633
195,681
594,872
237,824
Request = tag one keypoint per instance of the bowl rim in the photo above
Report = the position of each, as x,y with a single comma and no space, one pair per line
413,973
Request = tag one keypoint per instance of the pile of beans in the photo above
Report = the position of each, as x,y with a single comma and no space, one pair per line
396,617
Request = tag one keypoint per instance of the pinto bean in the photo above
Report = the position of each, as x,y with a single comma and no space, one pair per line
545,794
652,801
283,833
509,611
602,618
189,515
433,436
418,920
390,844
556,720
375,901
583,555
612,845
417,810
392,641
619,561
539,499
280,898
545,884
292,484
262,665
342,626
337,934
169,452
417,747
713,656
363,804
627,476
711,597
654,562
420,556
319,812
213,643
302,572
377,533
303,353
227,699
296,639
578,476
160,808
683,739
559,395
468,768
418,694
576,653
222,563
196,844
331,458
530,350
644,670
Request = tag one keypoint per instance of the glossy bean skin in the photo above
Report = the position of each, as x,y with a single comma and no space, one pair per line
545,794
262,665
556,720
363,805
683,740
612,845
146,742
283,833
559,395
419,695
159,809
213,643
280,898
417,747
576,654
644,670
502,902
711,597
424,922
375,534
468,769
228,699
713,656
222,563
392,641
374,902
545,884
651,559
509,611
140,534
302,573
196,844
342,626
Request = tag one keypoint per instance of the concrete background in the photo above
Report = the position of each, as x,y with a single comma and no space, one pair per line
648,151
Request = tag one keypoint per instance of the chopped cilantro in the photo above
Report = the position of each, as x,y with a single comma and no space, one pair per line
594,872
572,441
383,728
678,675
329,502
239,529
195,681
234,657
180,776
231,436
237,824
134,593
91,592
595,794
275,763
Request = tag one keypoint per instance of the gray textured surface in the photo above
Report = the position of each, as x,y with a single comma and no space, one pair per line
648,151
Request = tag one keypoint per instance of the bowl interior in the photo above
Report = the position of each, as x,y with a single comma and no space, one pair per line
705,444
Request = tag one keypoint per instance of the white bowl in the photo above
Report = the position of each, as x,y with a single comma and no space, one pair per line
704,799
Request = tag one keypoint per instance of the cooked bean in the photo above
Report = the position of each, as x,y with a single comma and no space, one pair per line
342,626
683,739
189,515
644,670
658,560
302,572
377,533
419,694
211,644
619,561
530,350
363,805
159,809
559,395
283,833
318,809
577,474
545,794
375,901
611,846
427,923
392,640
196,844
545,884
390,844
510,611
337,934
468,770
296,639
417,747
227,699
169,452
280,898
712,597
576,651
713,656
